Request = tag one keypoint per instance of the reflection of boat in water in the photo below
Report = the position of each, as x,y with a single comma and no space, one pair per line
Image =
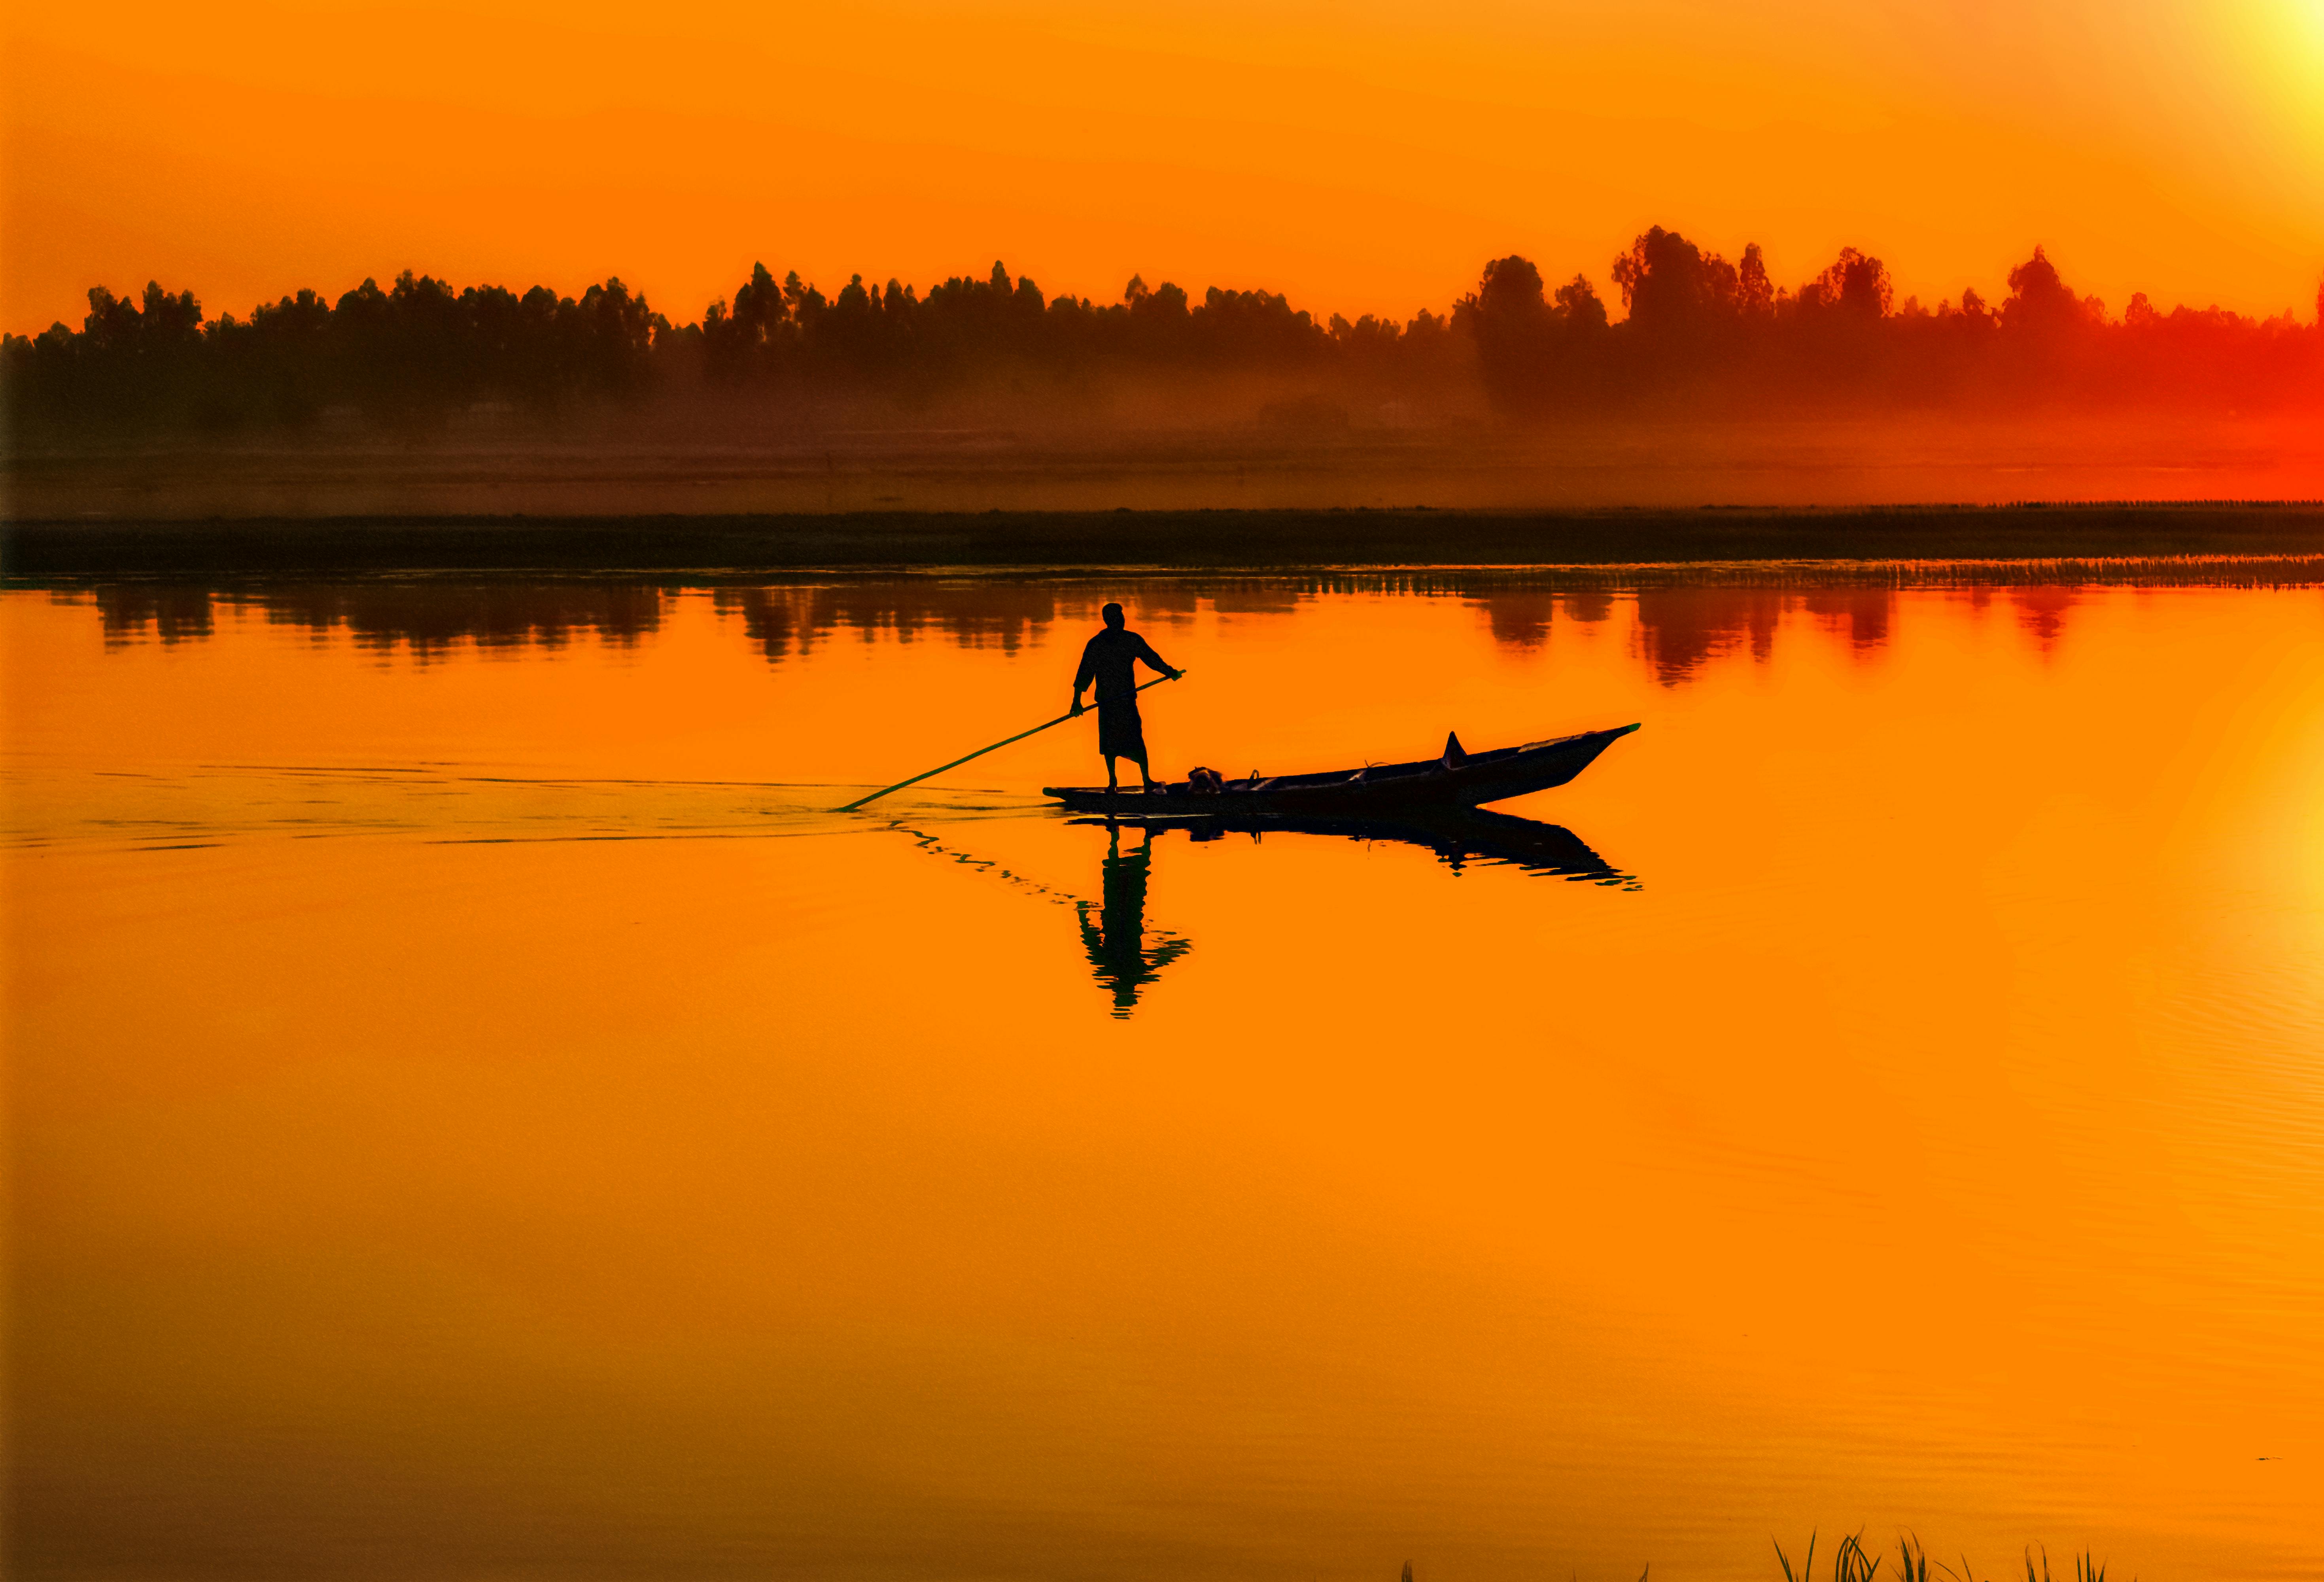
1458,836
1458,778
1126,958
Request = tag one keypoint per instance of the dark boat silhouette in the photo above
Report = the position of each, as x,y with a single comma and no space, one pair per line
1458,836
1458,779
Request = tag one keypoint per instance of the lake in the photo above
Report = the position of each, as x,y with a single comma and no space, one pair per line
473,1111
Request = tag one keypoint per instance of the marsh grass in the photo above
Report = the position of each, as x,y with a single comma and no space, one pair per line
1852,1562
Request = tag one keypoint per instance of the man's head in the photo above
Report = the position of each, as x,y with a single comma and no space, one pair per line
1113,616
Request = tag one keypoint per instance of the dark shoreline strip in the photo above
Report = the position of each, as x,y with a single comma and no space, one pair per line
1064,543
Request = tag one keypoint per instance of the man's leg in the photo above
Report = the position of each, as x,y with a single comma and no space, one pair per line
1112,783
1145,780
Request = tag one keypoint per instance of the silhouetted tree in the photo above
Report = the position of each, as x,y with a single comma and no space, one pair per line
1509,317
1673,289
1755,294
1854,286
1532,350
2039,300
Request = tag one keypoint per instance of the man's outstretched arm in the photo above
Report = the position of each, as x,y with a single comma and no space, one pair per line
1146,651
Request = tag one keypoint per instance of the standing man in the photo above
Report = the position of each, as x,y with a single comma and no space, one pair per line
1111,662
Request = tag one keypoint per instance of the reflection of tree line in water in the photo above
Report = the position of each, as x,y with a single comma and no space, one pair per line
1680,626
1126,957
433,615
1699,331
426,617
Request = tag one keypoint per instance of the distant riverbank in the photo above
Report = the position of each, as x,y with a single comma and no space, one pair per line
1231,539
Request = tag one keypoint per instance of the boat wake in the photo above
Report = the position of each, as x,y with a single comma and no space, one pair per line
212,804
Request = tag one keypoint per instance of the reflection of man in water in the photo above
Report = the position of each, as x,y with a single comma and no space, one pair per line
1110,660
1116,941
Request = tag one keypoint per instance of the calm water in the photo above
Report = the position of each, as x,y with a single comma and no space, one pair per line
474,1114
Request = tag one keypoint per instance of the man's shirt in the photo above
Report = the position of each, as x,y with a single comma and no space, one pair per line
1109,660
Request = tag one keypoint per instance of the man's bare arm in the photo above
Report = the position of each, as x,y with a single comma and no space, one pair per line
1083,677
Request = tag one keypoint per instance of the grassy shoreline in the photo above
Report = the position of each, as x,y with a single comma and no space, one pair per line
1876,541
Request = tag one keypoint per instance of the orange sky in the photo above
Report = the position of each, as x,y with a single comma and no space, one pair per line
1361,155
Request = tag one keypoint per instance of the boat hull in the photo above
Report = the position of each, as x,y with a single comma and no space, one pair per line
1458,780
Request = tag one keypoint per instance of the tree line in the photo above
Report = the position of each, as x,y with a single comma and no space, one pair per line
1698,329
1697,333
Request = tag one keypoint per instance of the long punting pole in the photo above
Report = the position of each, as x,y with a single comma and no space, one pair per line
980,752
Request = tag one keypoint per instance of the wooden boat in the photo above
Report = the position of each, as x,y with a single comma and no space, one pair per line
1458,778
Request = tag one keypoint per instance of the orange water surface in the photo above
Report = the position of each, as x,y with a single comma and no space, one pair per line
472,1112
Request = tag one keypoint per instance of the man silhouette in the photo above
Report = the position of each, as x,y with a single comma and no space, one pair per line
1111,662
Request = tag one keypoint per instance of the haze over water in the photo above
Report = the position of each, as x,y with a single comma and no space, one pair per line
473,1110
